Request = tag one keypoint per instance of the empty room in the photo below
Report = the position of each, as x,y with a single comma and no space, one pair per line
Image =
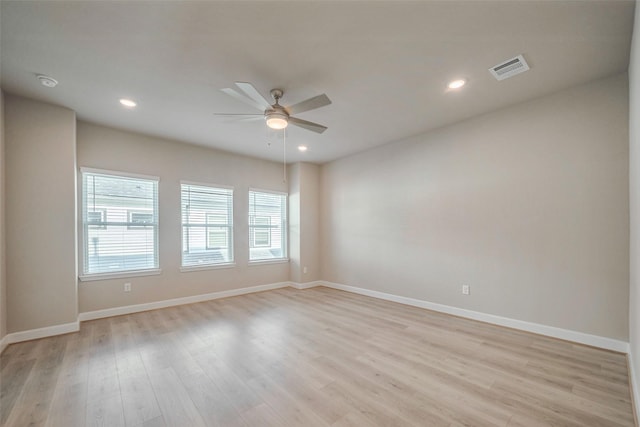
319,213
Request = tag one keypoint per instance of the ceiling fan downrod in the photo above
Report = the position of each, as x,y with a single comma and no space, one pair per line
276,116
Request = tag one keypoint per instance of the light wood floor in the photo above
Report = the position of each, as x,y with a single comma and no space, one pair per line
315,357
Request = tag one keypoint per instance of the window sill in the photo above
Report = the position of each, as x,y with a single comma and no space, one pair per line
119,275
189,268
269,261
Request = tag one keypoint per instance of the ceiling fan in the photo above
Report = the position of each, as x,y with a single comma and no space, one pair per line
276,115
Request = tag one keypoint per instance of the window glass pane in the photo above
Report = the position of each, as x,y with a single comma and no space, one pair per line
120,223
207,225
267,226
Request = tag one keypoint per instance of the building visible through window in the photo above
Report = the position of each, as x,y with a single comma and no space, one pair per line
267,225
120,223
207,225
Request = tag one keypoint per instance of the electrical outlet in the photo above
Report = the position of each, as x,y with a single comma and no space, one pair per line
304,269
127,287
465,290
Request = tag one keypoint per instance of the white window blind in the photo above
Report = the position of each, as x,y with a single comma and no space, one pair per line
120,223
267,226
207,225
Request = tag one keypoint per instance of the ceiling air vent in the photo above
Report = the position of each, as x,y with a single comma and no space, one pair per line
509,68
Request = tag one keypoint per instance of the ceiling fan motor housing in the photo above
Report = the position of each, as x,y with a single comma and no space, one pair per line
276,117
276,94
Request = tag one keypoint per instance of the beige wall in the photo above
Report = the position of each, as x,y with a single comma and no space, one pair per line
3,282
527,205
40,237
304,222
310,223
106,148
634,194
295,255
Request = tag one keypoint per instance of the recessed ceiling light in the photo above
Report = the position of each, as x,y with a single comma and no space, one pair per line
47,81
456,84
302,148
128,103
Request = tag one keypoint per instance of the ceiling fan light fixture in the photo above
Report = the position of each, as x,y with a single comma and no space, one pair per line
276,120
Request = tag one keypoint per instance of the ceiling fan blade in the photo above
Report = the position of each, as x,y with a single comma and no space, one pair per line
242,98
253,93
314,127
235,118
250,119
309,104
241,114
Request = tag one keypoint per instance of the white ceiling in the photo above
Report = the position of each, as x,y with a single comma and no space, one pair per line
384,64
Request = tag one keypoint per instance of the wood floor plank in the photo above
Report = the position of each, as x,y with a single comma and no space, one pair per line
70,395
262,415
14,377
430,391
68,405
156,422
177,407
213,404
32,406
294,412
241,396
138,399
399,408
105,412
295,383
316,357
352,419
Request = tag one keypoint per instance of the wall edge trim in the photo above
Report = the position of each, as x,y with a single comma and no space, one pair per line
550,331
306,285
4,342
536,328
136,308
34,334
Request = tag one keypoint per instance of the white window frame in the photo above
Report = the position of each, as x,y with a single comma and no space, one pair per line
230,228
284,228
84,244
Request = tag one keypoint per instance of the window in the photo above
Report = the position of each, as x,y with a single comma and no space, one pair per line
120,223
207,225
267,226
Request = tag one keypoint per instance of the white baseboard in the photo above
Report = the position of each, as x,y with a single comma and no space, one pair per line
34,334
578,337
306,285
117,311
4,342
129,309
633,385
550,331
